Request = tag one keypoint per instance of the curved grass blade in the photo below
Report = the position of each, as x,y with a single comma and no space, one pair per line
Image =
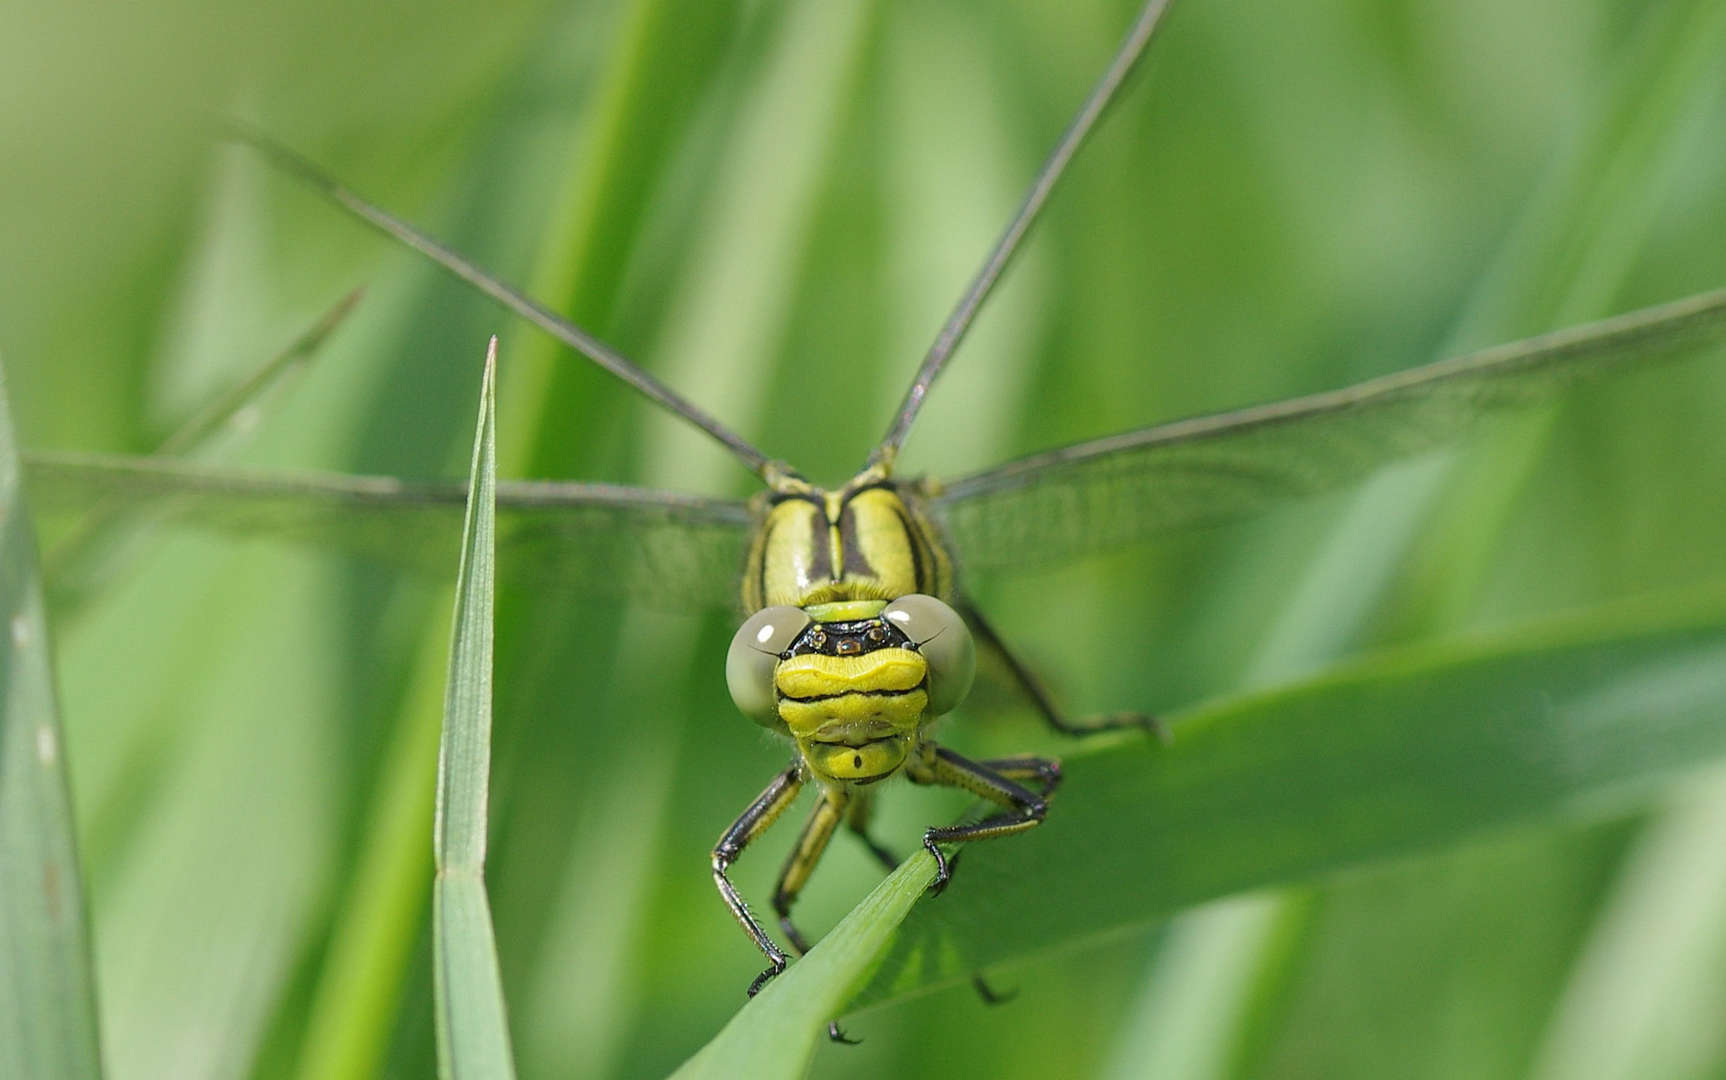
1091,496
1565,719
776,1034
667,550
514,299
473,1032
47,1003
952,332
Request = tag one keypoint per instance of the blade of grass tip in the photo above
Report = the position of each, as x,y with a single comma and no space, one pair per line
776,1034
77,561
472,1028
47,1000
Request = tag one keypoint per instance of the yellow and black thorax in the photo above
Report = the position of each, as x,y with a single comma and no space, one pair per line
870,540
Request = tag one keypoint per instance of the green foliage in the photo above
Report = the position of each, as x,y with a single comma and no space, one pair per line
772,207
47,1012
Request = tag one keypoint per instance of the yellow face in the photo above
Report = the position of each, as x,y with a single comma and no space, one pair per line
851,682
854,717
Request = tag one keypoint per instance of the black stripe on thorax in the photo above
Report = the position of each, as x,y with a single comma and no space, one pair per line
821,539
856,560
913,540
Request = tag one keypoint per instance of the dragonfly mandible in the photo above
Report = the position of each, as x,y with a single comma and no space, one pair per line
1056,505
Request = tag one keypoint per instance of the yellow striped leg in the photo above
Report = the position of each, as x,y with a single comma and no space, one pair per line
749,825
1032,687
1024,808
801,863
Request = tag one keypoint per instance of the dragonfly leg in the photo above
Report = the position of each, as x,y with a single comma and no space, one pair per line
749,825
858,822
1024,809
1033,689
801,863
1028,767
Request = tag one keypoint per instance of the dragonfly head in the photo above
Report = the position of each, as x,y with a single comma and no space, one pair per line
853,682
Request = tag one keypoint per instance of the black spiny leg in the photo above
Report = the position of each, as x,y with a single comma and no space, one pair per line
1032,688
1024,808
749,825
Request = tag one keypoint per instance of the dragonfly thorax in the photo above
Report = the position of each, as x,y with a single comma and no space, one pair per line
869,540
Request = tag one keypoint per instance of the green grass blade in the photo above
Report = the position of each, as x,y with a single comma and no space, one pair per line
47,1003
473,1032
1404,752
776,1033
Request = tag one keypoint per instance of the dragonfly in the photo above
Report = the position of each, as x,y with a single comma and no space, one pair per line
858,633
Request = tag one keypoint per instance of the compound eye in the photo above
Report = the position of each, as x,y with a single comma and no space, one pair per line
945,642
754,654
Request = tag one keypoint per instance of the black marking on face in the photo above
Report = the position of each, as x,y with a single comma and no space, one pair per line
849,638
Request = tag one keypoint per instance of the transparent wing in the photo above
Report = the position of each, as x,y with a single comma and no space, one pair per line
1096,495
670,551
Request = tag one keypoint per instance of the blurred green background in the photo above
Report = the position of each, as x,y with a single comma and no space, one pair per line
772,205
